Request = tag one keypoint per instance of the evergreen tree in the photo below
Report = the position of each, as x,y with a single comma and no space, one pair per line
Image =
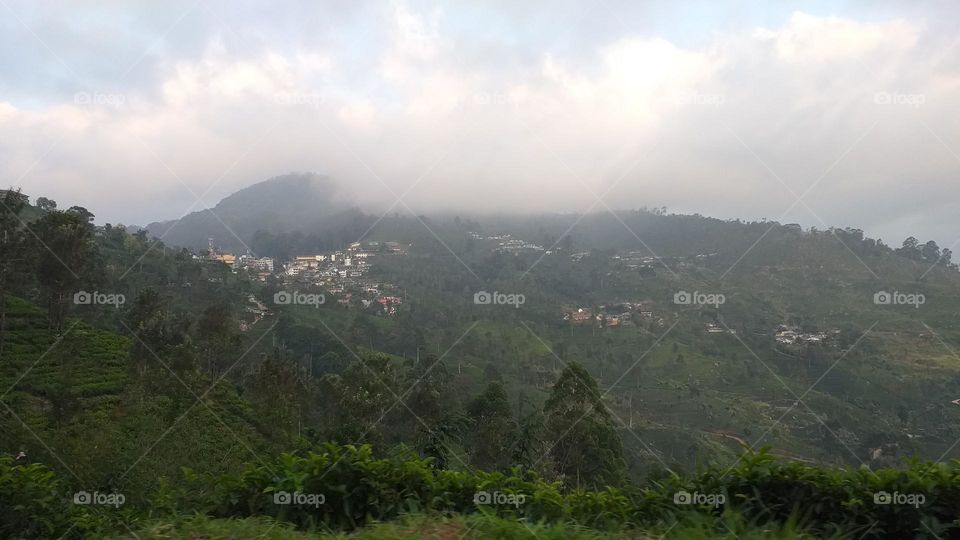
493,428
584,443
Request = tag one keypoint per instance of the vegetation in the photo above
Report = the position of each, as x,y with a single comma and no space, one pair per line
359,489
158,384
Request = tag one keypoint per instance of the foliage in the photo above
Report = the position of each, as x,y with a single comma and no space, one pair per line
585,444
32,502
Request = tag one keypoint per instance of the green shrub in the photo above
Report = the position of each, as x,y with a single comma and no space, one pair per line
359,488
32,501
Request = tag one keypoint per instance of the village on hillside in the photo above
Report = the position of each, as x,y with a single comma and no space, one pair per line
342,275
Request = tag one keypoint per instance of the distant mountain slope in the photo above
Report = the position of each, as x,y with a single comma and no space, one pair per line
282,203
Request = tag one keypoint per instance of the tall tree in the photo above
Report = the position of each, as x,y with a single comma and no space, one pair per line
67,255
44,203
585,446
12,252
493,429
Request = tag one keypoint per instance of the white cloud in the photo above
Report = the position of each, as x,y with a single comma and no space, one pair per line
515,128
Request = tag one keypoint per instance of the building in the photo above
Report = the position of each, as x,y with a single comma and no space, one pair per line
225,258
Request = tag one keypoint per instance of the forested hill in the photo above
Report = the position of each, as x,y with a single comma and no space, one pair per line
587,351
283,203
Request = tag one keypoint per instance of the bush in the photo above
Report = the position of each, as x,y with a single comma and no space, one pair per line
359,489
32,502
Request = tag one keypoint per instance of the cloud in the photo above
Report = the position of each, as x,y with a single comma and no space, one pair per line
422,101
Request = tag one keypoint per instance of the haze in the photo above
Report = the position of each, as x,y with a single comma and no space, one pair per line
825,114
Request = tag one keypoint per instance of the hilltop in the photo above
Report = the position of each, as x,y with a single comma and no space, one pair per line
283,203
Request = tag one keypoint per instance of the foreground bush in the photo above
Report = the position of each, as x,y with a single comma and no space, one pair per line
32,501
347,488
922,499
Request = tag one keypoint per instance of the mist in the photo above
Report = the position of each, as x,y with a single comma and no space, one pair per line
839,115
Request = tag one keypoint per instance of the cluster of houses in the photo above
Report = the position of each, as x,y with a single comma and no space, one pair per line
791,335
712,328
263,266
506,243
621,314
646,261
634,260
342,274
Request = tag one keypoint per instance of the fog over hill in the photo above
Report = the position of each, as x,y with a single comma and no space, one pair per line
296,201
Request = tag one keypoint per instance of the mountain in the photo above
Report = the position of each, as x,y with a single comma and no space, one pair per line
283,203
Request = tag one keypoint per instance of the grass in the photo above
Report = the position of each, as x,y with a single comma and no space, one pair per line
694,527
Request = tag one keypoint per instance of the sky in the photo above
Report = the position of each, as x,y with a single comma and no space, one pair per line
820,113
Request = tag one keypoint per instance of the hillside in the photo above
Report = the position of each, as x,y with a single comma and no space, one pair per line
283,203
690,383
583,352
78,403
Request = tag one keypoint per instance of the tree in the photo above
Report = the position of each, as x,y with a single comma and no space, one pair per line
930,252
67,255
425,400
492,428
12,252
217,338
356,400
910,248
46,204
280,396
85,215
945,255
586,447
150,320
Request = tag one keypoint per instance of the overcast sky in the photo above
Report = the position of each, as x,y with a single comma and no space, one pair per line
823,113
